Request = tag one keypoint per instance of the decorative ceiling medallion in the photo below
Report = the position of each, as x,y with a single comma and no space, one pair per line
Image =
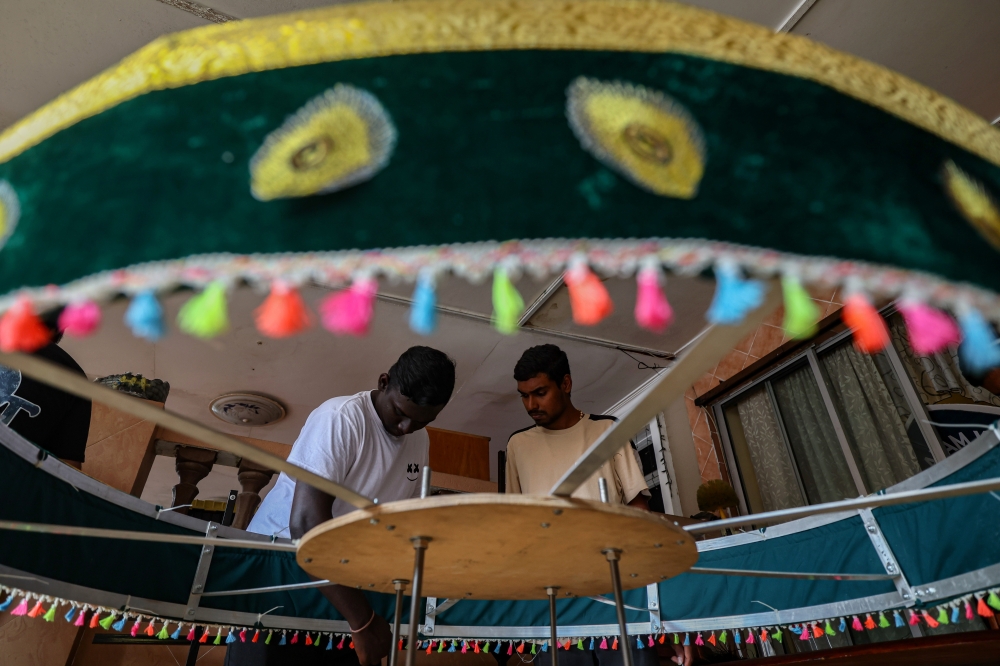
10,211
973,202
645,135
338,139
247,409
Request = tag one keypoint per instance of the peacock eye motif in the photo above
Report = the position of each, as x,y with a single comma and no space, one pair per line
10,211
972,201
644,134
338,139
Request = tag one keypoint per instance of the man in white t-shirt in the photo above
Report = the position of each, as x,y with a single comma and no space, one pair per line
373,442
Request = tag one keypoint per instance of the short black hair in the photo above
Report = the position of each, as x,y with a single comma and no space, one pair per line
424,375
547,359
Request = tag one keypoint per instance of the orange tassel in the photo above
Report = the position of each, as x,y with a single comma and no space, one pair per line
21,330
982,609
36,610
94,620
587,295
663,638
283,313
870,332
711,639
869,622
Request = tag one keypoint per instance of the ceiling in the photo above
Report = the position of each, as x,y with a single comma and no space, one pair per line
48,47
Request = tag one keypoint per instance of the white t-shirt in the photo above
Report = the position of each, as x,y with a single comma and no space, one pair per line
343,440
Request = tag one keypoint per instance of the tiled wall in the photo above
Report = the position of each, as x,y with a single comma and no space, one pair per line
768,337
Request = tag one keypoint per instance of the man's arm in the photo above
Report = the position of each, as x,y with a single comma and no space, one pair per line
311,507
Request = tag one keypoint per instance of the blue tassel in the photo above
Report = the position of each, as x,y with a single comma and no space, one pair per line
638,643
736,637
687,639
591,642
843,625
144,317
954,615
979,350
117,626
329,645
451,648
795,629
231,638
898,619
423,311
496,650
177,632
284,639
734,296
6,604
71,613
545,646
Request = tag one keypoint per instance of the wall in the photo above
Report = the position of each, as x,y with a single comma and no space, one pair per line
768,337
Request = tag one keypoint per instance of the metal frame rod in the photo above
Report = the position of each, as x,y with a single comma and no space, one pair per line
425,482
787,574
872,501
553,633
133,535
61,378
669,385
613,555
419,548
273,588
397,618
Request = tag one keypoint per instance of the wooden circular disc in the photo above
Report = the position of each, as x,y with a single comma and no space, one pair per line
497,546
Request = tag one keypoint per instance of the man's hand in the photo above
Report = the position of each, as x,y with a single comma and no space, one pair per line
374,642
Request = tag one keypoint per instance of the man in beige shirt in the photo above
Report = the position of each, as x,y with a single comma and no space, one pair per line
539,455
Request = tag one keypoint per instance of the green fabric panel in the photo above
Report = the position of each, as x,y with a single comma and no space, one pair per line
485,153
840,547
150,570
944,538
536,613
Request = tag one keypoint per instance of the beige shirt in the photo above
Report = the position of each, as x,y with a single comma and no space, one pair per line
538,457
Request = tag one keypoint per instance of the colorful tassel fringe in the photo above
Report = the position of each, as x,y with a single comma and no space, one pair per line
734,297
979,350
283,313
871,335
423,311
652,310
144,317
350,312
588,297
21,330
205,315
801,313
508,306
929,330
80,319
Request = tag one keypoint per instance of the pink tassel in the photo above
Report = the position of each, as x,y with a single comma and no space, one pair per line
135,627
80,319
930,330
295,638
604,643
651,643
510,648
243,637
588,297
349,312
804,636
968,611
856,624
191,634
698,640
465,647
22,608
80,618
652,310
914,618
749,636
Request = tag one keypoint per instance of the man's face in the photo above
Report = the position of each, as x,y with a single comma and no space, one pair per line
544,399
400,415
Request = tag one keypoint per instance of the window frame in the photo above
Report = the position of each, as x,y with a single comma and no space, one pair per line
810,355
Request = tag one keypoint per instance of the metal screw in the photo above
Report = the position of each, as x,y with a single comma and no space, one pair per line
197,587
373,521
190,611
429,629
569,594
677,524
653,604
681,542
308,560
557,512
208,549
342,561
371,584
213,527
390,527
657,545
545,524
871,528
634,575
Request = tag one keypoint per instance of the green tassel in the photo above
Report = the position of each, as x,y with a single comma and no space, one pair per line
883,621
801,313
106,622
163,635
723,636
50,614
579,644
829,629
942,616
994,601
777,634
486,648
677,639
533,646
507,303
204,315
440,646
267,641
218,639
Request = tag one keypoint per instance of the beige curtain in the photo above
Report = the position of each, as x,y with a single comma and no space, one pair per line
814,442
871,422
779,489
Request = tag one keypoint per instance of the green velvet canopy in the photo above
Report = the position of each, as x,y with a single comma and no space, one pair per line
805,151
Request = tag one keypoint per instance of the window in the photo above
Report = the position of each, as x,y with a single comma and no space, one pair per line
830,423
